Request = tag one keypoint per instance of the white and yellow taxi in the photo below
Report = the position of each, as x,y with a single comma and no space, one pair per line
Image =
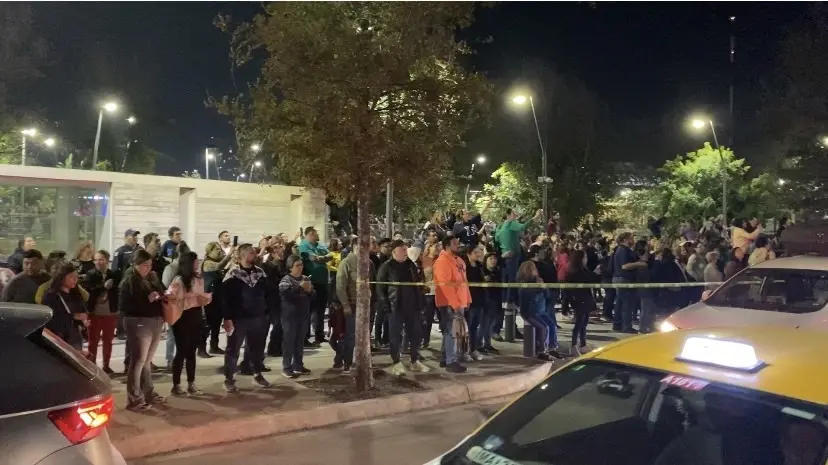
791,291
744,396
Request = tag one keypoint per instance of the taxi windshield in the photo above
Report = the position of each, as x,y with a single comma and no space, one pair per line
595,413
774,289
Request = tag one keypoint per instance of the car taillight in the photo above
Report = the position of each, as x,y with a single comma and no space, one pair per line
83,422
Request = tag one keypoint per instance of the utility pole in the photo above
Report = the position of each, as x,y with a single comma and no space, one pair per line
389,209
732,20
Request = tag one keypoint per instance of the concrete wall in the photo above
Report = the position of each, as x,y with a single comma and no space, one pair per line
202,208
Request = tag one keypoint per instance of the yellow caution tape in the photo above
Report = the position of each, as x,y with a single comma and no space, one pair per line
554,285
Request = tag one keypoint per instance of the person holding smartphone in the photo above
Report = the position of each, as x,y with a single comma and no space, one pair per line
140,301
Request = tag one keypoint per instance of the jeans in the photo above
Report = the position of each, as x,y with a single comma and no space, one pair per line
317,314
448,353
187,332
381,326
169,353
609,303
345,347
509,275
101,329
475,321
212,311
274,347
541,331
295,326
626,301
252,330
143,335
410,319
580,325
648,311
491,311
428,317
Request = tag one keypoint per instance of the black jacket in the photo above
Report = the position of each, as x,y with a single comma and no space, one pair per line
15,261
399,298
133,296
274,271
244,293
94,284
122,258
474,274
63,316
581,298
493,294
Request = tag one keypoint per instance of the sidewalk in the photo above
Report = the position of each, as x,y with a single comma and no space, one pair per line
302,401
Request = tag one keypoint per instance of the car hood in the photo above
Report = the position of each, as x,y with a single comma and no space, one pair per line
701,315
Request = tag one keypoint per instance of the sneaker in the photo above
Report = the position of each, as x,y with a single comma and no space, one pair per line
203,354
121,337
266,369
630,331
346,369
476,356
302,371
398,369
193,390
455,368
216,351
155,367
108,371
442,363
543,356
492,350
308,344
467,358
518,335
261,381
167,369
289,374
157,398
178,391
419,367
497,337
230,385
246,370
139,407
574,352
554,353
338,364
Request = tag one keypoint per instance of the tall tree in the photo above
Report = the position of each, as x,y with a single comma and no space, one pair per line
796,112
352,94
513,187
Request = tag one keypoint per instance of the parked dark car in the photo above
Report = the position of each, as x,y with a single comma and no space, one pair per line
56,405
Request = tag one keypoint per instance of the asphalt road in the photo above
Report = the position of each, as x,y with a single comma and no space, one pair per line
406,440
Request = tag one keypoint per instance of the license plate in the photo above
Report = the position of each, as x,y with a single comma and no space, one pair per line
483,457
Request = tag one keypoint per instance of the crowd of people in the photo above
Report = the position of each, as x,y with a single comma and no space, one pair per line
283,290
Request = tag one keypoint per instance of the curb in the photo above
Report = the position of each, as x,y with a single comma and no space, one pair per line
258,426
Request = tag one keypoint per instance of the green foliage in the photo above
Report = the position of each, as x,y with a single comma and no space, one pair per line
512,187
447,194
194,174
351,94
691,189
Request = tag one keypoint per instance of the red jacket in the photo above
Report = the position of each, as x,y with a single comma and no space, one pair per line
452,289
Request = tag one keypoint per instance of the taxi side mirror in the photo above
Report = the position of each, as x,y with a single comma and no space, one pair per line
706,295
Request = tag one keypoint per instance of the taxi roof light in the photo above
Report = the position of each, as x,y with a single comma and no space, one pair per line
727,354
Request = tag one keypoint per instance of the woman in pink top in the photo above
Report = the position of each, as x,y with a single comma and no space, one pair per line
187,292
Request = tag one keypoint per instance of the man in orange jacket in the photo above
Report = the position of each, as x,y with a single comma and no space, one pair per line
452,298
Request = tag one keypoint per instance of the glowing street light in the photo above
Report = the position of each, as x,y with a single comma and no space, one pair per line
109,107
255,164
31,132
49,142
824,141
781,182
481,159
132,120
256,147
699,124
208,155
521,99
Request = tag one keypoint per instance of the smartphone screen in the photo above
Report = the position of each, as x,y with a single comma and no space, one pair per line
235,241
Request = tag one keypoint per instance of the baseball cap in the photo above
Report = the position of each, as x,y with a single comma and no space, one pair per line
131,232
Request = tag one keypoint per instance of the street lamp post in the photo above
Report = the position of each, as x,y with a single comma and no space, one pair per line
255,164
521,100
700,124
481,159
110,107
31,132
207,157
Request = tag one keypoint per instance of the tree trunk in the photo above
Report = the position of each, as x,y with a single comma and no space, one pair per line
362,351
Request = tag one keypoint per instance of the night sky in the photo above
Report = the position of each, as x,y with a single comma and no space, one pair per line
650,63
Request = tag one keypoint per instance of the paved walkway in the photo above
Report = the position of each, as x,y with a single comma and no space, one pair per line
287,395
